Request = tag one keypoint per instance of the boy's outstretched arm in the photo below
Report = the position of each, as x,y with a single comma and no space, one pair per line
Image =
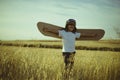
88,35
54,31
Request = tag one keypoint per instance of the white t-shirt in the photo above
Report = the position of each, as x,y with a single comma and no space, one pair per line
68,39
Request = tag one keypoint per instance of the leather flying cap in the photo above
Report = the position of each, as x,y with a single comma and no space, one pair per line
71,22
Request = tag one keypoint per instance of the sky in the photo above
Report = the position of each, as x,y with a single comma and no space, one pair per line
18,18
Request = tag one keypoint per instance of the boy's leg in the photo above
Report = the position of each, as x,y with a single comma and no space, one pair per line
69,60
66,59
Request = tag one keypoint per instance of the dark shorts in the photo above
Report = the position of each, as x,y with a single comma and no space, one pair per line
68,57
68,53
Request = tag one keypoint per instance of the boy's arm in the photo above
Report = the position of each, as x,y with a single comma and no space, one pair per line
54,31
87,35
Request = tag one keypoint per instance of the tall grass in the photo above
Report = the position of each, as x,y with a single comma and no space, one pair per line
24,63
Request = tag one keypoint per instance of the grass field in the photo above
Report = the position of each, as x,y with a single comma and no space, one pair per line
34,63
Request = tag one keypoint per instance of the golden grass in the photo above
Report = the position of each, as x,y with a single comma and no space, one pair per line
24,63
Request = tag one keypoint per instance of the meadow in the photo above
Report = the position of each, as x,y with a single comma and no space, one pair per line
42,60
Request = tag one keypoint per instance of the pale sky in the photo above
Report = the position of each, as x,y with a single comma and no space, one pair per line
18,18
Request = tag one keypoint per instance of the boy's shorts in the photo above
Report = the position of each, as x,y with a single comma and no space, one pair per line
69,57
68,53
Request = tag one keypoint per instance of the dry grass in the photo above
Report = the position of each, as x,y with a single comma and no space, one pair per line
24,63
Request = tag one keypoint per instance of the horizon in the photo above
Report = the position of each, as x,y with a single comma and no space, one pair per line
19,18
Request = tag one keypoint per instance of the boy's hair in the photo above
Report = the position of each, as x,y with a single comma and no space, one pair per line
71,22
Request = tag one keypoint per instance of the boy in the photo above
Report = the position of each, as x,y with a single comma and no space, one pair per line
68,35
